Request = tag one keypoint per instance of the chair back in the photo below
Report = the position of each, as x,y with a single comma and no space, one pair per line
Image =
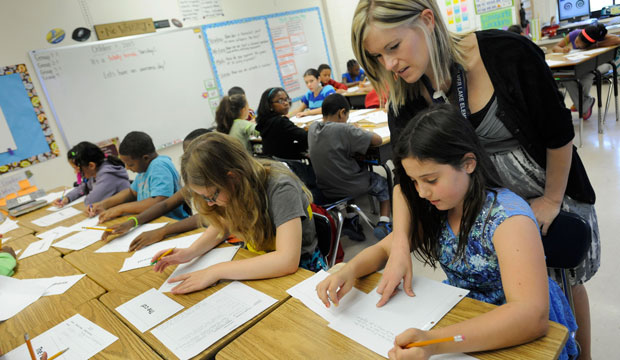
323,233
567,241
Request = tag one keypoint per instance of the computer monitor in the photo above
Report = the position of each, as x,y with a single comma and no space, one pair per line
573,9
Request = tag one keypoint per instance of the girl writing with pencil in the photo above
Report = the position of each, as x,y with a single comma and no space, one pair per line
484,236
260,201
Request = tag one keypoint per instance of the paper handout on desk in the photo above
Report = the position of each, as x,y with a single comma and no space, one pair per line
149,309
83,338
74,202
55,285
382,131
55,233
80,240
305,119
8,225
51,196
122,243
17,295
214,256
55,217
38,247
143,257
198,327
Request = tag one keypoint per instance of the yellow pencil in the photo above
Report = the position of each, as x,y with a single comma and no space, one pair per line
29,345
162,255
457,338
368,125
96,228
58,354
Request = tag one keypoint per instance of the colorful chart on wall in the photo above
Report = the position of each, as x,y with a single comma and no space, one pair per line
485,6
458,15
29,138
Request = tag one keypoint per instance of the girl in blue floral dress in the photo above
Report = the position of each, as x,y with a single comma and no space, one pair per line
484,236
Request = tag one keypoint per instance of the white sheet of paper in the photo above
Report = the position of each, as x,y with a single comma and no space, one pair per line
377,117
357,115
51,196
215,256
53,218
149,309
17,295
56,285
8,225
90,222
17,251
80,240
553,62
198,327
122,243
376,328
6,137
142,258
306,119
38,247
56,232
74,202
353,89
83,338
382,131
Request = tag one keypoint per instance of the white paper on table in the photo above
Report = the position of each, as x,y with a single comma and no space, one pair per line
38,247
17,251
55,217
305,119
198,327
214,256
382,131
551,63
8,225
122,243
90,222
353,89
80,240
357,115
51,196
377,117
305,292
149,309
17,295
376,328
6,137
142,258
56,285
57,232
83,337
74,202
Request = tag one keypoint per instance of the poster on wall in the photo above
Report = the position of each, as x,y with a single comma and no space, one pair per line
485,6
458,15
24,117
497,19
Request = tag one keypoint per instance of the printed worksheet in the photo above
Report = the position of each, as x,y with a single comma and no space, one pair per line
122,243
80,240
8,225
215,256
51,196
142,258
83,338
198,327
38,247
58,216
74,202
149,309
55,233
16,295
55,285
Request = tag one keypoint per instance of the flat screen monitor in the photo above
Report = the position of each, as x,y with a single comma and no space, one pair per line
573,9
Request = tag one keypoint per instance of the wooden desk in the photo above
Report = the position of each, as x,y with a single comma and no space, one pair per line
23,242
275,288
293,331
573,70
9,236
103,267
27,219
128,345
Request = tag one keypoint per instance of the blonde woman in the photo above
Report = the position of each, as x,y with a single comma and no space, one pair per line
260,202
499,81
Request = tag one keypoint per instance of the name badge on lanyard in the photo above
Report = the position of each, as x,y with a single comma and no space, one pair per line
459,86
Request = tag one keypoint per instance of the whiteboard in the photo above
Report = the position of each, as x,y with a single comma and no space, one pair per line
260,52
161,84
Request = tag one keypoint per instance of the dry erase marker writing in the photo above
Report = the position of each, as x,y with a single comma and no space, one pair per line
96,228
161,256
30,349
58,354
457,338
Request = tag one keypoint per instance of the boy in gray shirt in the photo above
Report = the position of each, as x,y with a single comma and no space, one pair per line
332,145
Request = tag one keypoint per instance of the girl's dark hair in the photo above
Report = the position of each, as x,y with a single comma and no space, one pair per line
265,110
235,90
86,152
228,111
312,72
442,135
351,63
596,32
71,154
334,103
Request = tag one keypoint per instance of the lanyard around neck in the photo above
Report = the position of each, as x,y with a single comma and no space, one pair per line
459,86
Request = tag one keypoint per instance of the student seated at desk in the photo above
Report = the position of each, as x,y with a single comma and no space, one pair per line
157,180
229,119
312,100
587,38
355,74
8,260
102,175
260,201
484,236
158,210
325,76
333,145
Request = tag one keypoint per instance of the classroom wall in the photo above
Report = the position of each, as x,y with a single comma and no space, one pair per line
25,24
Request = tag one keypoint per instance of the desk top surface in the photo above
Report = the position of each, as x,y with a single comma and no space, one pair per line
564,60
293,331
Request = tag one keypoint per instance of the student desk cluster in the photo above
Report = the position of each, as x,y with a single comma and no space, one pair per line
283,328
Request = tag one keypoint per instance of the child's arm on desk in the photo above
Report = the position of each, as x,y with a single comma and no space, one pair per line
609,40
283,261
121,197
563,46
209,239
134,207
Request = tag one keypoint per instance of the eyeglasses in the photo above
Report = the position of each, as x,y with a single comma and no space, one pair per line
213,197
283,101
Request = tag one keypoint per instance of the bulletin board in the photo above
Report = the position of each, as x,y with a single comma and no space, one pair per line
29,135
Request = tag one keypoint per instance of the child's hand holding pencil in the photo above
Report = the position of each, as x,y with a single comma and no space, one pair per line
418,344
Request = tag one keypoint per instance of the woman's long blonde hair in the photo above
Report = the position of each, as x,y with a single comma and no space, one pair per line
444,47
220,161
